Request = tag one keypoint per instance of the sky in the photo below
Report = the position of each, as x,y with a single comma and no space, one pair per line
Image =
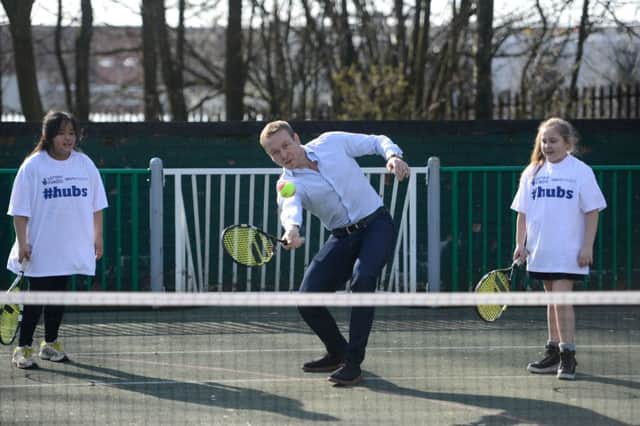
126,12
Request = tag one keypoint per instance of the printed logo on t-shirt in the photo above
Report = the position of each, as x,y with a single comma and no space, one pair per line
555,190
52,180
70,178
55,191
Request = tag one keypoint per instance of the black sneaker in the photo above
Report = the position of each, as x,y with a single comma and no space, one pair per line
348,375
568,363
329,362
547,365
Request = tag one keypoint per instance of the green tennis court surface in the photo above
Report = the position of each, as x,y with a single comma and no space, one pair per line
241,366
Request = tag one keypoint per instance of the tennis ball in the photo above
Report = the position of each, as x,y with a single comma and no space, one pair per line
286,189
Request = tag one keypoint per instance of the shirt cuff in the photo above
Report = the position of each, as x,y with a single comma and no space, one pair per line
288,226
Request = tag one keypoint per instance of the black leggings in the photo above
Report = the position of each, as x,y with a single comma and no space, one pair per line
52,314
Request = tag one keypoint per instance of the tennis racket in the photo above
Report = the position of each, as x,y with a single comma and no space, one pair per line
11,314
497,281
248,245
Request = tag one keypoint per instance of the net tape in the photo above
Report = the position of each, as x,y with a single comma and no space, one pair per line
345,299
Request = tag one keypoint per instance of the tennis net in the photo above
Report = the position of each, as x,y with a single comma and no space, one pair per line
236,358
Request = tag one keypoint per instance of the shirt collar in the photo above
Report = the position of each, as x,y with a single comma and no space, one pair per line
311,154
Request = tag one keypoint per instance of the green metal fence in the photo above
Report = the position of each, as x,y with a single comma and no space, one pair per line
125,264
478,227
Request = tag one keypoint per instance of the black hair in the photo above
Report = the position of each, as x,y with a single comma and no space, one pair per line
51,125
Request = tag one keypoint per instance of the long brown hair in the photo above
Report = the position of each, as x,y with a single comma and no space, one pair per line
51,125
564,129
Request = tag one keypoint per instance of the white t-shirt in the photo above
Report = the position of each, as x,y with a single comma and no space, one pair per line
59,198
555,202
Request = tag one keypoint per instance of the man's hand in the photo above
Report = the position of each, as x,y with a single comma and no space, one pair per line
293,239
398,167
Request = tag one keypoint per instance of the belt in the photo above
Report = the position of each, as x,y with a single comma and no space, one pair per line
358,226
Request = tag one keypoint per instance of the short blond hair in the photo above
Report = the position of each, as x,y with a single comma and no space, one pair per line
274,127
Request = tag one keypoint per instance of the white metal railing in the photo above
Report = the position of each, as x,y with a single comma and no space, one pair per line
208,200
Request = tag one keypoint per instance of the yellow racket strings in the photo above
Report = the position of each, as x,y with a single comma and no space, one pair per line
9,317
248,246
494,282
8,322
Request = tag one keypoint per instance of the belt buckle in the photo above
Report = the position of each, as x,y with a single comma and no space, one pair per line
352,228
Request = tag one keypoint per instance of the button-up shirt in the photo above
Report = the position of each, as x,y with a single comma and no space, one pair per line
339,193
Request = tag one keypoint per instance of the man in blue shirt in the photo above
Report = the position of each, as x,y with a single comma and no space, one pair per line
330,184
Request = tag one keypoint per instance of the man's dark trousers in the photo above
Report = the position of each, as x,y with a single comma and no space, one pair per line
361,257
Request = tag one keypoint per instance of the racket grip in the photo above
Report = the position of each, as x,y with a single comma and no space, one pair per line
302,239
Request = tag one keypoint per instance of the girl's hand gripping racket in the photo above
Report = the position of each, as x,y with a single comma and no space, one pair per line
496,281
11,315
248,245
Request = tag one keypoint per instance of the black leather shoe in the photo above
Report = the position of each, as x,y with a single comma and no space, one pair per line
347,375
329,362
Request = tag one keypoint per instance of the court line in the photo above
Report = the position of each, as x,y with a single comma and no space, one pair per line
206,367
601,348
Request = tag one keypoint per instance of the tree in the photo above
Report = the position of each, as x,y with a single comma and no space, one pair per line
234,65
324,64
172,67
400,57
347,56
152,109
19,14
583,33
421,48
539,36
82,52
446,85
625,59
484,54
82,57
64,73
376,94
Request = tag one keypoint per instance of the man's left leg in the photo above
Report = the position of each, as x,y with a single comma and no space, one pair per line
376,246
329,270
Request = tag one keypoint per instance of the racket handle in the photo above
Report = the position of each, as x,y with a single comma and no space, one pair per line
285,242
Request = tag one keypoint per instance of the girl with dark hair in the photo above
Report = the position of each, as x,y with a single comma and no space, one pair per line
56,203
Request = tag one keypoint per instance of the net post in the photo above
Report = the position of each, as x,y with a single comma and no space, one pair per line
156,224
433,224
